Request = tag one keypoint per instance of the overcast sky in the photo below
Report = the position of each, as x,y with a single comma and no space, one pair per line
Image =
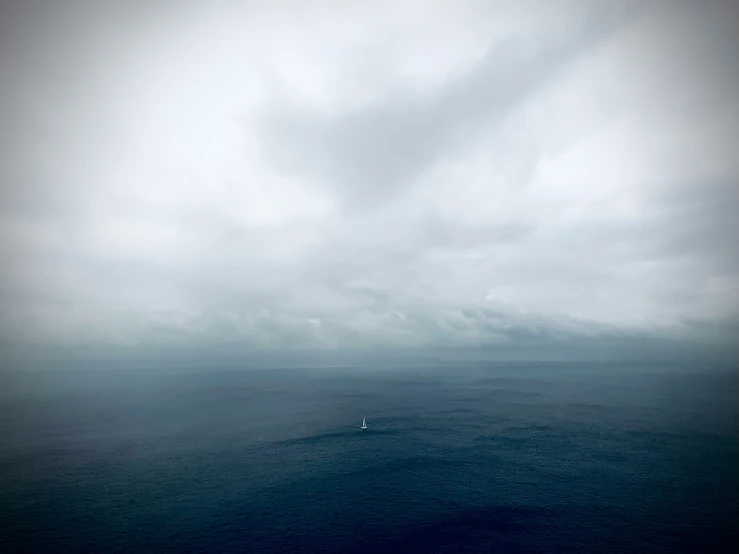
380,173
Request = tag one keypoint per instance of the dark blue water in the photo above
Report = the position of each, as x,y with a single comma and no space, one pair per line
457,459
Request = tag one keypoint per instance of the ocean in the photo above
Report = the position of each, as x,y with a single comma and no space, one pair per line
467,457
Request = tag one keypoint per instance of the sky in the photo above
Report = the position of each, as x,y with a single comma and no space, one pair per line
384,174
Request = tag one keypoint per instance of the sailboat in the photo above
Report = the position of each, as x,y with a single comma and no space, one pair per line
364,423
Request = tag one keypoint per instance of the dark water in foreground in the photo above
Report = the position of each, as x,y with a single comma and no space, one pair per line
456,459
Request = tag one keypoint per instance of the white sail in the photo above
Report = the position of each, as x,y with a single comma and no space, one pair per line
364,423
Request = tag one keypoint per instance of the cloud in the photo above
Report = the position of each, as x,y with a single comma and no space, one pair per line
366,155
307,176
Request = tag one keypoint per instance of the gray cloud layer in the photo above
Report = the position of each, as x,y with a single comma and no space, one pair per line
309,175
370,154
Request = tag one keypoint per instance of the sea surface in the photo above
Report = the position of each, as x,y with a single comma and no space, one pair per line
457,458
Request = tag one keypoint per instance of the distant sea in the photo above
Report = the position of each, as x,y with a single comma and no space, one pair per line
458,458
